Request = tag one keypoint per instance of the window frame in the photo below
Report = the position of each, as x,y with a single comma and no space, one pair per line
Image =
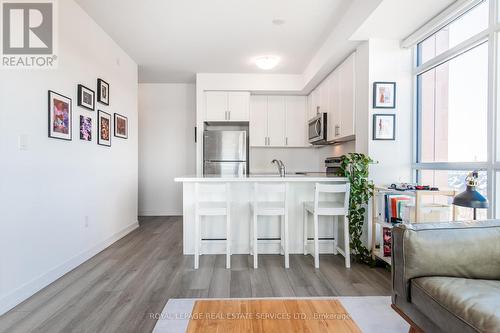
490,35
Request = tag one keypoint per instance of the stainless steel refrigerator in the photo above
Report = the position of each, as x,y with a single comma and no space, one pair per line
225,153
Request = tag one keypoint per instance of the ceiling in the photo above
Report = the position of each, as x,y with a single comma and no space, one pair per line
397,19
172,40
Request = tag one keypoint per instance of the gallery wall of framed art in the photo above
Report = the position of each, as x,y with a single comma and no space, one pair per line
384,124
60,112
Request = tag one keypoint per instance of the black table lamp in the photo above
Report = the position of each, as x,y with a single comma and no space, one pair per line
471,198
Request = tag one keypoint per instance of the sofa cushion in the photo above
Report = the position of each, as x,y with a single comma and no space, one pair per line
458,249
458,304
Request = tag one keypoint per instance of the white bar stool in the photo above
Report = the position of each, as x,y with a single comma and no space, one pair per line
220,206
328,208
277,207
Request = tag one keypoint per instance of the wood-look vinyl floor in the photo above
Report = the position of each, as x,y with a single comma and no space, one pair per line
120,289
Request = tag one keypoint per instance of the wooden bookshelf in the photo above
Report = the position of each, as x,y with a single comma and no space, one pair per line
377,219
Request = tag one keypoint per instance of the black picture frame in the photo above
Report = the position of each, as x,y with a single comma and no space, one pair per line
51,132
375,133
100,140
80,102
376,102
102,98
115,125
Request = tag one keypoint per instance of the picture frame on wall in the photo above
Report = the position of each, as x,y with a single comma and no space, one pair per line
86,97
102,92
121,126
104,128
384,127
384,95
85,128
60,116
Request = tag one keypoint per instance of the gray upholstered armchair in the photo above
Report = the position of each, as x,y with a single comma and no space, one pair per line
446,276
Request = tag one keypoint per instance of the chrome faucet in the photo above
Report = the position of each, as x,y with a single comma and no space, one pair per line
280,166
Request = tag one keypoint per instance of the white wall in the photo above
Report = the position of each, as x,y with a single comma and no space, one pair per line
389,62
47,190
167,117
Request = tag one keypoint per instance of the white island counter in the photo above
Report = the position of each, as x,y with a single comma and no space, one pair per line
300,189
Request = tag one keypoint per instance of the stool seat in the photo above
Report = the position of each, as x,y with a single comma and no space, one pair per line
269,208
326,207
209,208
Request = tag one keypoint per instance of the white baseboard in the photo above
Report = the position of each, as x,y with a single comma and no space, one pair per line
159,213
29,289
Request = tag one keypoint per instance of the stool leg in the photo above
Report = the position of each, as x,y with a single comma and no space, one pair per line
316,242
255,245
304,219
335,234
287,258
282,238
196,240
228,240
347,249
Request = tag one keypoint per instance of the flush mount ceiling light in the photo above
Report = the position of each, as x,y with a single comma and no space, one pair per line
267,62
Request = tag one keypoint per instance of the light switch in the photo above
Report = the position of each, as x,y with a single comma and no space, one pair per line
23,142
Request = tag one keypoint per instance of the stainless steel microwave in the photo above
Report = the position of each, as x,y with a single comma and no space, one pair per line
317,129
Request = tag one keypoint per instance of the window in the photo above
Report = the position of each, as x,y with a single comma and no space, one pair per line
453,109
458,31
454,180
453,132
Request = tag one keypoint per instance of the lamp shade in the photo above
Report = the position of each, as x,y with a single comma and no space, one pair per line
470,198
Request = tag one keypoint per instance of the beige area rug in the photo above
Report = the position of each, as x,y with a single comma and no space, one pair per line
326,314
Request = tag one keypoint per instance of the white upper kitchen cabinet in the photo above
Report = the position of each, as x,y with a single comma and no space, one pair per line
227,106
276,126
347,100
324,96
296,121
238,106
216,105
336,96
278,121
333,118
313,104
258,121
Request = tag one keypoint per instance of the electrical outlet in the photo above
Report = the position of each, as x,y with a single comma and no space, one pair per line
86,222
23,142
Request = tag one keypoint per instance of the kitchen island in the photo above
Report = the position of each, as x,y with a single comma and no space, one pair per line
300,189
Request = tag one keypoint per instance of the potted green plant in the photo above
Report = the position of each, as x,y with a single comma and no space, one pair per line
355,166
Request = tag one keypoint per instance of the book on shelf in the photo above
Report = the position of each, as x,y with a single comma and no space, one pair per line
394,204
387,241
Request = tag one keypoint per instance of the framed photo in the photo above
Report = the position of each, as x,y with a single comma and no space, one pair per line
102,92
104,128
60,116
384,127
121,126
85,128
384,95
86,97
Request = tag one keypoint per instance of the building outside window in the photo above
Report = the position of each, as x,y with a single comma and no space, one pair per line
454,131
